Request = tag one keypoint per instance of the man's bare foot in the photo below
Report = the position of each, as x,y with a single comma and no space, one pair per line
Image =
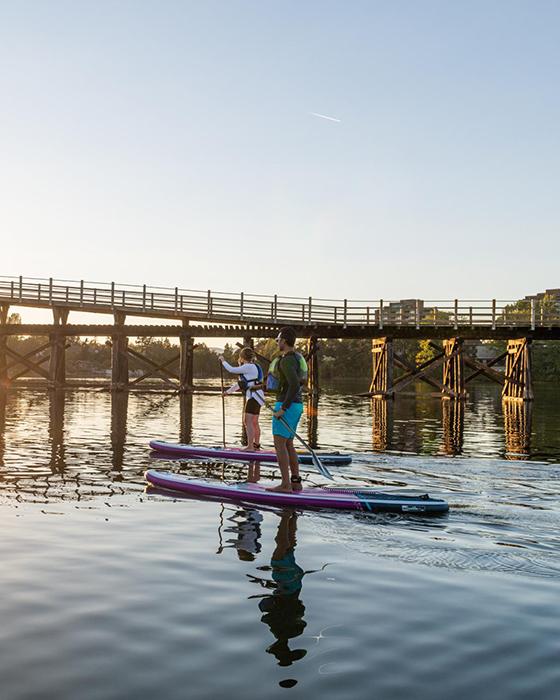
281,488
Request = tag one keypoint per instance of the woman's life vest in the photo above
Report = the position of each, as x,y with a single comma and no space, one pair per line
245,383
273,376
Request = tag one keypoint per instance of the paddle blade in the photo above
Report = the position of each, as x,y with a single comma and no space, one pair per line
320,466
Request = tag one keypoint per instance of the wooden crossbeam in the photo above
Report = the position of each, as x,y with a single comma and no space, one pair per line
42,361
29,355
413,370
419,373
485,368
155,368
480,367
32,366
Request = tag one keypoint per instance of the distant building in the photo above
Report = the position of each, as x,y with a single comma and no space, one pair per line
551,294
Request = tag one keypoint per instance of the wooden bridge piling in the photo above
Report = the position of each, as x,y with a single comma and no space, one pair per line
517,380
382,367
119,354
4,310
186,363
312,358
453,369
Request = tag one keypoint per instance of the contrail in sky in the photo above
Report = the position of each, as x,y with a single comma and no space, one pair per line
324,116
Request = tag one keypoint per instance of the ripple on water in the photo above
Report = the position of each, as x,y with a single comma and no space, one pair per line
111,593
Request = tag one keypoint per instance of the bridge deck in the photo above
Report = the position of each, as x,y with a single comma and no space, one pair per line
414,318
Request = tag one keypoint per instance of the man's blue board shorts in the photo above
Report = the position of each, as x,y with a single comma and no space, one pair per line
291,416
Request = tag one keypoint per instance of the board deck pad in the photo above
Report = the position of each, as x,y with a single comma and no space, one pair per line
363,499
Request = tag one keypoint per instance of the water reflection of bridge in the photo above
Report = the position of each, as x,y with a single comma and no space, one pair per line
61,471
517,417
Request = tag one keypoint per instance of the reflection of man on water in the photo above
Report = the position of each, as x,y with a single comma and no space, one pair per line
283,610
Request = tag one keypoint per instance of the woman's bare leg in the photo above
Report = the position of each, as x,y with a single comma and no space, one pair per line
250,429
257,430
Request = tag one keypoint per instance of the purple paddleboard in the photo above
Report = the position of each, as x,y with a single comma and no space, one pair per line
337,498
238,454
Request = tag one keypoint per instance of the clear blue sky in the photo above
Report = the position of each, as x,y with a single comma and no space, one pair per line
174,143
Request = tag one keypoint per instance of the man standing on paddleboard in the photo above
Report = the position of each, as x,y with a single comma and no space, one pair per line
287,411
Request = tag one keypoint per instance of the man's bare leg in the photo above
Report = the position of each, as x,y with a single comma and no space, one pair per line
280,445
294,464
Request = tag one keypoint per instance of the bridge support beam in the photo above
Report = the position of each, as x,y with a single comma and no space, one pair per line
453,369
518,381
119,355
57,362
382,367
57,342
313,365
186,364
4,309
60,315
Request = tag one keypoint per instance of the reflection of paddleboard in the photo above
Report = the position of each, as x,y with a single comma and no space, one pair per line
237,454
339,498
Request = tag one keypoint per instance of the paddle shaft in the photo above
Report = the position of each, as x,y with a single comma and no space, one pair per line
316,461
223,405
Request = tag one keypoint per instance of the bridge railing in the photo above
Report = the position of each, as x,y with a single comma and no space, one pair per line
143,300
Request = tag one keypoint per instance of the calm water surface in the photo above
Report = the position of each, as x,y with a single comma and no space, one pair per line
113,592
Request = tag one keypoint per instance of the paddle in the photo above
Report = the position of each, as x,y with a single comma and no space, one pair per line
316,461
223,405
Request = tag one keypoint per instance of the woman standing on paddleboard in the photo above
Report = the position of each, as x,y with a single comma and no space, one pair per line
249,374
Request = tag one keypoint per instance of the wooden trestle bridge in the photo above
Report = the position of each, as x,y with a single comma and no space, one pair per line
447,324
